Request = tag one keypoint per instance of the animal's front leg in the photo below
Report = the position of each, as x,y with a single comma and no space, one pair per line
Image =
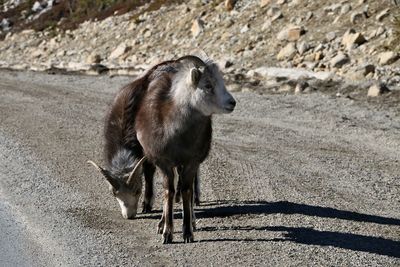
187,180
169,193
148,200
197,189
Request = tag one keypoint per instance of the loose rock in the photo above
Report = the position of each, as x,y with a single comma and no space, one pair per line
383,14
290,33
119,51
288,52
230,4
197,27
352,38
302,47
264,3
340,60
377,90
93,58
387,58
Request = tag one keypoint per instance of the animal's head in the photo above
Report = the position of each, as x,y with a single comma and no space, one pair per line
208,92
126,188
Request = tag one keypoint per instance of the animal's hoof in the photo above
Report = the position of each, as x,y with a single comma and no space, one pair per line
197,201
146,208
167,238
160,227
188,239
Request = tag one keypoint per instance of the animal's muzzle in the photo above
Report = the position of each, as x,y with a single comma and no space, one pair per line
230,105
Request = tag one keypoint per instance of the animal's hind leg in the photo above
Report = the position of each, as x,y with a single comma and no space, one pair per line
148,200
169,193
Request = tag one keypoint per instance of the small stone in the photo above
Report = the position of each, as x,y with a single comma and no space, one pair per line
351,38
334,8
383,14
357,16
288,52
119,51
230,4
294,33
330,36
197,27
309,15
274,13
37,7
345,8
224,63
37,53
302,47
377,90
339,60
266,25
93,58
387,58
147,34
301,86
285,87
5,24
264,3
318,56
367,69
290,33
245,29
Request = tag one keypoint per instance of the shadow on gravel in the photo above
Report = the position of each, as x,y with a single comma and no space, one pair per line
210,209
230,208
309,236
303,235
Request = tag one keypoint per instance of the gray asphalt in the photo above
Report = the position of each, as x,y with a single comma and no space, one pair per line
308,180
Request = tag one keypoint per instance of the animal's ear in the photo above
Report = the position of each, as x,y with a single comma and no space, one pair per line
110,179
136,173
195,75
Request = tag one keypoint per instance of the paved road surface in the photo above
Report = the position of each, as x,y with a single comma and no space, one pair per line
306,180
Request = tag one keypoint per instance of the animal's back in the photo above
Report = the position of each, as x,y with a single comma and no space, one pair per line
119,131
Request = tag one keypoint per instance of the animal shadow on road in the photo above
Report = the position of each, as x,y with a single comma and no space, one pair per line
303,235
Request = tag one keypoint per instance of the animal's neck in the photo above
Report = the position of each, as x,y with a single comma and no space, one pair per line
185,117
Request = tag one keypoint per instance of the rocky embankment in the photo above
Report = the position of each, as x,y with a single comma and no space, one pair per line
284,45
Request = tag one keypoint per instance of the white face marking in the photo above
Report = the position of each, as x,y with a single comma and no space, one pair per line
209,96
128,204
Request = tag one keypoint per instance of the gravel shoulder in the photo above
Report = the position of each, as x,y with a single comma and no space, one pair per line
292,180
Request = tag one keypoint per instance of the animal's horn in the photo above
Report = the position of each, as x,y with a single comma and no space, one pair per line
114,183
204,55
196,60
136,171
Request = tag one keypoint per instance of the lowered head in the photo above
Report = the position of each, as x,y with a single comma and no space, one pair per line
126,188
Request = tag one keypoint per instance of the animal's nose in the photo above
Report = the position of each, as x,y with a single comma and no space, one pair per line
232,102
